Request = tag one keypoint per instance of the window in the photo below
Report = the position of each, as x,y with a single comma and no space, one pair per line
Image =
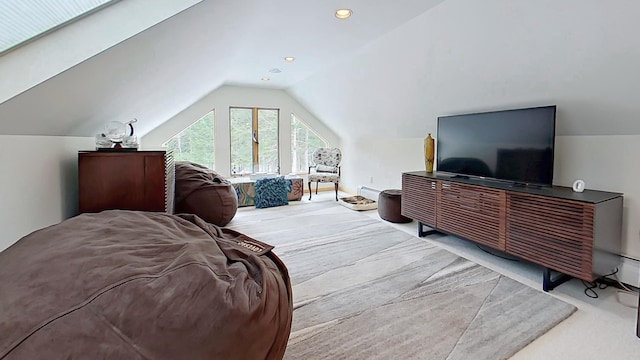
195,143
22,21
304,141
254,141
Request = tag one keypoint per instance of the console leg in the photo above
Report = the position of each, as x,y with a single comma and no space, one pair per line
423,233
549,284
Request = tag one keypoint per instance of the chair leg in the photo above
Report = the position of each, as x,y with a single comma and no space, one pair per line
309,190
317,187
336,191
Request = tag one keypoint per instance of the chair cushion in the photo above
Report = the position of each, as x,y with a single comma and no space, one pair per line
324,177
272,192
326,169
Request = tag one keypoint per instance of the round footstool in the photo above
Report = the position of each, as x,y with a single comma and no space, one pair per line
389,206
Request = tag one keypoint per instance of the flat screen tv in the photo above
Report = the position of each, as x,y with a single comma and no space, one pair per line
508,145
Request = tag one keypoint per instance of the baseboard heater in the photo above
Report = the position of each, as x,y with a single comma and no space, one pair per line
629,271
369,193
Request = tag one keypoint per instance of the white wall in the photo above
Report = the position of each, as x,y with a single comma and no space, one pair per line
381,159
39,182
220,100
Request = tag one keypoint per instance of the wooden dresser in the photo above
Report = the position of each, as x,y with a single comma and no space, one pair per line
127,180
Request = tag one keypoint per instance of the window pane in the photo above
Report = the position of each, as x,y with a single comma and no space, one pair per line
268,141
304,142
241,125
22,20
195,143
254,141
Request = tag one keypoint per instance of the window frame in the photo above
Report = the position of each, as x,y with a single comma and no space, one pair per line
213,129
314,131
255,150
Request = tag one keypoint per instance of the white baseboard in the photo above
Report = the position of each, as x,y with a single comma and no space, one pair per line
629,271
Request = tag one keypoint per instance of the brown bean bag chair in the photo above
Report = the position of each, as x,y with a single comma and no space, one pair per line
203,192
142,285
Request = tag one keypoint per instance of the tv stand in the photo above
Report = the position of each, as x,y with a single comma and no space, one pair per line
422,232
525,185
549,283
572,234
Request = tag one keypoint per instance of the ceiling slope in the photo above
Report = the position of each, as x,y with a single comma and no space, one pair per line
467,56
37,61
162,71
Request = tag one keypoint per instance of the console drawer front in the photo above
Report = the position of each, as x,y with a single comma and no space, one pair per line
473,212
419,198
555,233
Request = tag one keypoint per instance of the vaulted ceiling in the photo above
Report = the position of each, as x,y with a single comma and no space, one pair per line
389,70
159,72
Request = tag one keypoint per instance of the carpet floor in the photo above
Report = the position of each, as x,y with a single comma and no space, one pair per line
365,290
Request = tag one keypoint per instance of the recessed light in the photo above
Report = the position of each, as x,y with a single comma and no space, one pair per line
289,58
343,13
265,79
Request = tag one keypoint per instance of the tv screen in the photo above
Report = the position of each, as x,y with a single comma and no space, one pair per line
510,145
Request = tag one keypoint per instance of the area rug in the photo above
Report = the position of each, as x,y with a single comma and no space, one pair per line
365,290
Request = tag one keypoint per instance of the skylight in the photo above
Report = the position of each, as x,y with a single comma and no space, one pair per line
25,20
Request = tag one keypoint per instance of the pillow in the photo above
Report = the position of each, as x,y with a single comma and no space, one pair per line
272,192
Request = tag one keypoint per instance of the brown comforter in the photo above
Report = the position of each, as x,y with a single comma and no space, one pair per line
140,285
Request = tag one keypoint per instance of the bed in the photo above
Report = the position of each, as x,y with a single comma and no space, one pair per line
142,285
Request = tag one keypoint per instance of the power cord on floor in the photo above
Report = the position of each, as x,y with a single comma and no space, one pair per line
600,283
591,286
625,295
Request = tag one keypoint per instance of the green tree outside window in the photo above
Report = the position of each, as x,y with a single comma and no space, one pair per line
254,141
304,141
195,143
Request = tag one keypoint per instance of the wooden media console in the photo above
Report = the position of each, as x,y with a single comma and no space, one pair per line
574,234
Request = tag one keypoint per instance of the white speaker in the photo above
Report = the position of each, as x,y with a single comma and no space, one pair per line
578,185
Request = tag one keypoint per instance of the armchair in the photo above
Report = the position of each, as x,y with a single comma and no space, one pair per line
326,168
